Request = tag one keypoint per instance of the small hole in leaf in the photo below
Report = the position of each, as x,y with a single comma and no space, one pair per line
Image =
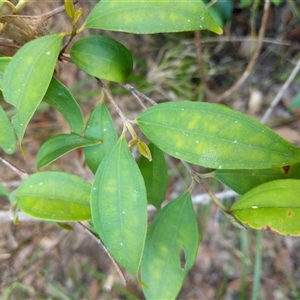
182,259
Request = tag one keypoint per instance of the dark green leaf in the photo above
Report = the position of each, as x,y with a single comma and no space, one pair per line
119,206
55,196
155,175
241,181
60,97
100,126
28,76
274,206
170,249
102,57
59,145
214,136
145,17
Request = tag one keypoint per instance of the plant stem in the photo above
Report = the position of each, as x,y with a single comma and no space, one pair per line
135,92
20,173
112,101
257,266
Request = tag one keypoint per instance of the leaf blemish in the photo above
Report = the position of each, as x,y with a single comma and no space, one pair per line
286,169
254,206
289,213
182,259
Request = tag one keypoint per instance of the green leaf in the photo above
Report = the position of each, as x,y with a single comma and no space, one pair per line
155,174
28,76
214,136
119,206
102,57
143,17
274,206
100,126
7,134
170,249
4,62
70,9
60,97
55,196
59,145
241,181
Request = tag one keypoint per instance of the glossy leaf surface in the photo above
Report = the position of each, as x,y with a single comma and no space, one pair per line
274,206
60,97
214,136
55,196
102,57
155,174
7,134
241,181
59,145
100,126
170,249
119,206
28,76
145,17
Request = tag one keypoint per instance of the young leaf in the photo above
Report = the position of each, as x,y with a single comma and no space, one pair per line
28,76
59,145
241,181
100,126
155,174
143,17
55,196
7,134
60,97
170,249
274,206
214,136
119,206
102,57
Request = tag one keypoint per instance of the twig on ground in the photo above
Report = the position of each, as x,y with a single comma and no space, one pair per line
281,92
254,58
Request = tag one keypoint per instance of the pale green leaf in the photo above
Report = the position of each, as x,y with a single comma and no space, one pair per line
60,97
28,76
7,134
59,145
3,191
155,174
171,249
119,206
241,181
55,196
100,126
102,57
214,136
274,206
143,17
4,62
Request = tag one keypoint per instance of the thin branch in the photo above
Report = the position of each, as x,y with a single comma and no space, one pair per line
281,92
202,74
132,90
122,275
16,170
112,101
254,58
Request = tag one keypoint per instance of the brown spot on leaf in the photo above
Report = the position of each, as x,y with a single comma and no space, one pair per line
286,169
289,213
